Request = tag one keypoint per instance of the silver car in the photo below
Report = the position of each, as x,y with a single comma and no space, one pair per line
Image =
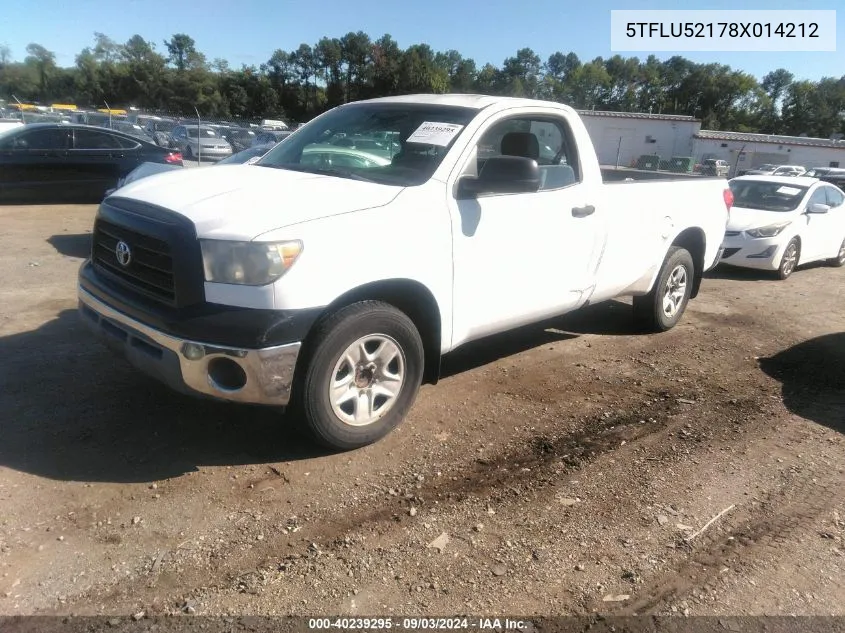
200,141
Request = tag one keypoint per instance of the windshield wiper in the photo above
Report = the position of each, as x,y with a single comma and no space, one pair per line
327,171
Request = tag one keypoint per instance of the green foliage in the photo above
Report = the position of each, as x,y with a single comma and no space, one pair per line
309,79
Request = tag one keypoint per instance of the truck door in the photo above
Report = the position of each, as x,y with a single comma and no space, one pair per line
526,256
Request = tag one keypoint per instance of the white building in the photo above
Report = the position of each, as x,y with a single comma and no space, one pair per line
622,137
746,151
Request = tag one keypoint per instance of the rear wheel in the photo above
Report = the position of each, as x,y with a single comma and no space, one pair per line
362,376
839,260
789,261
662,308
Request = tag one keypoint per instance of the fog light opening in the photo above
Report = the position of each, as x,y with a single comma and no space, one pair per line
192,351
225,374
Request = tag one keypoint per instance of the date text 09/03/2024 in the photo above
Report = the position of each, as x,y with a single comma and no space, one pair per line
722,29
418,624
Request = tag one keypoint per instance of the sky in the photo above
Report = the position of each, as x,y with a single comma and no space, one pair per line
247,32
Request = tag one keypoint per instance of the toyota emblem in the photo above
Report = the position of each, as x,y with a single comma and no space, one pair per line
123,254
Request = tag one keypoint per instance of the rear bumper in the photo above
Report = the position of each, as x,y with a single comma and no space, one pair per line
255,376
217,152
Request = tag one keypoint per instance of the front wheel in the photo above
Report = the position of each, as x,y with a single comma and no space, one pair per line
839,260
662,308
789,261
362,376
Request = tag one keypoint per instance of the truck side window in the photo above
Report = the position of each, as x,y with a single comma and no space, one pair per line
546,140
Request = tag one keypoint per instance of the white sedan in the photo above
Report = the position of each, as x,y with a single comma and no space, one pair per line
779,222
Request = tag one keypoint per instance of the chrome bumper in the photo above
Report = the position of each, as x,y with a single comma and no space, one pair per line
265,375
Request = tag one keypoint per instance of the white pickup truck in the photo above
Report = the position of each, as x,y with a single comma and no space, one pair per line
331,276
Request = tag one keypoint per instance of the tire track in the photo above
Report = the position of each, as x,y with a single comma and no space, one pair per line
754,531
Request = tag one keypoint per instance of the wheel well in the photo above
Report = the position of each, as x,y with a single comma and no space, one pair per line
693,240
412,298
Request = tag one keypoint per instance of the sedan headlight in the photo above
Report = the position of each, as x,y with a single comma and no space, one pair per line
248,263
768,231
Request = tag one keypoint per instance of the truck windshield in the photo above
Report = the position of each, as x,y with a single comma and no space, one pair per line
766,195
389,143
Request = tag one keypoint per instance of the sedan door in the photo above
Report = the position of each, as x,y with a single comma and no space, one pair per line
34,163
815,234
97,158
836,202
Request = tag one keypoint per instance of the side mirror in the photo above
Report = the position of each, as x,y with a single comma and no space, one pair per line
818,207
502,174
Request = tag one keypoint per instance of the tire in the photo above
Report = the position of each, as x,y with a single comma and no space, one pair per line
839,260
789,260
673,283
379,328
189,153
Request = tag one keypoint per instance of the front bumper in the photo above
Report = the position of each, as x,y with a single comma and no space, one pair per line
762,253
254,376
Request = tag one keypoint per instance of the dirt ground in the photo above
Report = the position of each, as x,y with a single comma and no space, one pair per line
570,466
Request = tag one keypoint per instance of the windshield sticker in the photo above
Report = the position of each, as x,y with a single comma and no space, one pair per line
433,133
789,191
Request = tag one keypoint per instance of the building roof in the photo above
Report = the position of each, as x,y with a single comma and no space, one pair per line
774,139
639,115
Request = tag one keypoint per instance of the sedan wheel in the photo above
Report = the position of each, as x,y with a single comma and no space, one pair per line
839,260
789,261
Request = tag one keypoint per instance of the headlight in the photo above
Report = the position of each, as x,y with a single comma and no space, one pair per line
768,231
248,263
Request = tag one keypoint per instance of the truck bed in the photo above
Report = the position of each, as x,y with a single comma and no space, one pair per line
612,175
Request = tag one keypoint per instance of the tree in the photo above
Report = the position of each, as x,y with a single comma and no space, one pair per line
181,48
329,56
44,62
304,82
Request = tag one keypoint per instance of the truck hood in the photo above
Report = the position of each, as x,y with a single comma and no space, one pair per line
742,219
240,202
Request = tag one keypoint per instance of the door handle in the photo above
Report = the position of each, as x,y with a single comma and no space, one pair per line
583,212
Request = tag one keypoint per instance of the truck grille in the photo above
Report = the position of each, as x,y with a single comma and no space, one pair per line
150,267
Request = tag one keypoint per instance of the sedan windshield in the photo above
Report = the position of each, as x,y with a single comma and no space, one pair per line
205,132
767,196
353,141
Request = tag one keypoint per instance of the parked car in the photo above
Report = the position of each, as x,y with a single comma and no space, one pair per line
69,162
133,129
789,170
255,300
780,222
143,171
268,137
332,156
200,141
823,172
249,155
715,167
8,124
763,170
239,138
161,130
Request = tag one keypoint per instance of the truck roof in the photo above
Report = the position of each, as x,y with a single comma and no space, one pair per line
476,101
